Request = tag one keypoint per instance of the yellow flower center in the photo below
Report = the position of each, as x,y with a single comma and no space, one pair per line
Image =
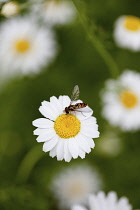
22,46
129,99
132,23
67,126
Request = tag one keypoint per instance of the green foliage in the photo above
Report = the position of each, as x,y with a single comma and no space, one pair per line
21,198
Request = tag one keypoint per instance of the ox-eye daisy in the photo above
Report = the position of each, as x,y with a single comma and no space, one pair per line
72,185
65,135
55,12
105,202
121,100
25,47
127,32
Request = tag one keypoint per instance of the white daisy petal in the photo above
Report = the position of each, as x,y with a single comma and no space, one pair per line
49,110
43,123
82,153
83,144
39,131
93,203
47,146
67,155
74,147
109,202
75,102
56,103
78,207
90,142
111,199
53,152
102,203
89,121
55,106
90,131
60,149
45,136
123,204
65,101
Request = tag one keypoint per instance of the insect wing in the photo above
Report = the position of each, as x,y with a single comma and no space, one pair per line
84,109
75,93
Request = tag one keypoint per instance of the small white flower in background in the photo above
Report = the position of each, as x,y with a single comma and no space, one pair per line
73,185
3,1
10,9
109,145
106,202
55,12
78,207
121,101
66,135
127,32
25,47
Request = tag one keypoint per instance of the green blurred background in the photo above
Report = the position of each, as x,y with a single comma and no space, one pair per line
25,170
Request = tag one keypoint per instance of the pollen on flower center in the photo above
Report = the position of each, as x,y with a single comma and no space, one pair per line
129,99
67,126
22,46
132,23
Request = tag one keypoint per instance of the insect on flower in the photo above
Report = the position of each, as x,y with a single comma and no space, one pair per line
65,135
74,97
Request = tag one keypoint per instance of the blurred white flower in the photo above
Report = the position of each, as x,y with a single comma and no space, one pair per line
109,144
127,32
121,101
55,12
65,135
73,185
10,9
3,1
109,202
78,207
25,47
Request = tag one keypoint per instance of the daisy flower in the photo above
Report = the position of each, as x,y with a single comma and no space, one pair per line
121,101
66,136
25,47
106,202
127,32
10,9
72,185
55,12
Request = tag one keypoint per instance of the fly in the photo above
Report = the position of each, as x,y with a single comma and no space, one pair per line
75,97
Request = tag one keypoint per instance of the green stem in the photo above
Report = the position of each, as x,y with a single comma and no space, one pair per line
112,66
3,148
27,164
